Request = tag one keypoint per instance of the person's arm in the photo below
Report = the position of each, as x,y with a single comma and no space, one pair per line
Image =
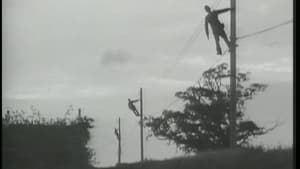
206,28
133,101
223,10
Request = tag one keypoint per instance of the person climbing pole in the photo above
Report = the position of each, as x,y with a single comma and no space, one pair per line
117,134
132,107
216,26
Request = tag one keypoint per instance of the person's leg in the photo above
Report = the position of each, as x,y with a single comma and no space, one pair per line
218,47
225,38
136,112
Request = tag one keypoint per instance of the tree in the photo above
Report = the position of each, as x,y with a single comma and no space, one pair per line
204,121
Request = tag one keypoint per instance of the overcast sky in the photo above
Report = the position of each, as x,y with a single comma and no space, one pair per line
95,54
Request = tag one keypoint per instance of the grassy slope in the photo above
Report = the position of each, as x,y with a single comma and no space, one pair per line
223,159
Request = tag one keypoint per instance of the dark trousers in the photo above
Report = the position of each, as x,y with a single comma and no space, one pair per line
217,34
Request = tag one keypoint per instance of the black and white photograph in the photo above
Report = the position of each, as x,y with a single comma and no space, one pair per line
148,84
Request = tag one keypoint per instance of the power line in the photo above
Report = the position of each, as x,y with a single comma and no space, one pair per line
241,37
199,80
186,46
265,30
216,3
190,41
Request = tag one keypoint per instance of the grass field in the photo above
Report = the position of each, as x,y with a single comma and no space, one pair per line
250,158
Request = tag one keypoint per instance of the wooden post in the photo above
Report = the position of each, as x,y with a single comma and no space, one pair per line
119,152
141,123
79,113
233,74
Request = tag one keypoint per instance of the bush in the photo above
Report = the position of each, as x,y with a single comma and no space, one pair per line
34,142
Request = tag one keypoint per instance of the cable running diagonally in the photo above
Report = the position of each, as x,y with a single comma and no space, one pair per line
190,41
195,34
199,80
265,30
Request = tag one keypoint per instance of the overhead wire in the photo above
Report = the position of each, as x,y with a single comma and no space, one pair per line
216,3
190,41
195,35
187,45
199,80
265,30
242,37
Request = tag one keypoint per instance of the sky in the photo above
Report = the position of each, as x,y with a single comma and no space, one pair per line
94,54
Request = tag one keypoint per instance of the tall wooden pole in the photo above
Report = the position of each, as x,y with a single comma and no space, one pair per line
233,74
119,152
141,123
79,113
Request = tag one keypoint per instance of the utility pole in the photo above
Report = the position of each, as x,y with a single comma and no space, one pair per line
79,113
141,123
233,74
119,152
134,110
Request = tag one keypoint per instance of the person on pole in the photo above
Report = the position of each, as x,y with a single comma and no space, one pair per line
117,134
216,26
132,107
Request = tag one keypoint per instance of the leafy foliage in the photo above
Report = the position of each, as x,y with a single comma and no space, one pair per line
34,142
204,122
